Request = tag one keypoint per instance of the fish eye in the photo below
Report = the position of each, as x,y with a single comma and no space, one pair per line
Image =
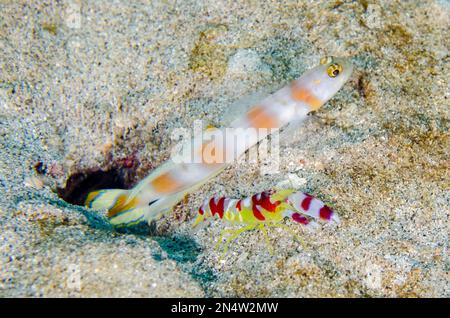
334,70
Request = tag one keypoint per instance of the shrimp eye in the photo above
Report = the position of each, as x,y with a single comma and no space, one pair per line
334,70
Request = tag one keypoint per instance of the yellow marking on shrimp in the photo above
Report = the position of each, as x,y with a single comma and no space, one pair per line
229,216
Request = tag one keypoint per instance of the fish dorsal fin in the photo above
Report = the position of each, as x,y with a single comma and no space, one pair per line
244,103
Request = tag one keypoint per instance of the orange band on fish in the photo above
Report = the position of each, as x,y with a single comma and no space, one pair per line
301,94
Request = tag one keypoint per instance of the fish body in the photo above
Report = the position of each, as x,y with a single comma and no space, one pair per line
157,193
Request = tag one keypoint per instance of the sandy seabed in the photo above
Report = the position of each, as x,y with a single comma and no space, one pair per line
95,88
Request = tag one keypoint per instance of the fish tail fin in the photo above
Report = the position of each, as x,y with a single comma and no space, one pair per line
104,199
123,209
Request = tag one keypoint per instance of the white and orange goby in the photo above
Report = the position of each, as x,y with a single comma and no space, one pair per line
168,184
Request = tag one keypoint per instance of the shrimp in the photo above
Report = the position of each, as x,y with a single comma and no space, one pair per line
165,186
267,208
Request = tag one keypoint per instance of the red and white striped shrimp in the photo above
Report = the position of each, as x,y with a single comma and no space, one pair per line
265,208
164,187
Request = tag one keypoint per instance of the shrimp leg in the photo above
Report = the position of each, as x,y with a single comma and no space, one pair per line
235,233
